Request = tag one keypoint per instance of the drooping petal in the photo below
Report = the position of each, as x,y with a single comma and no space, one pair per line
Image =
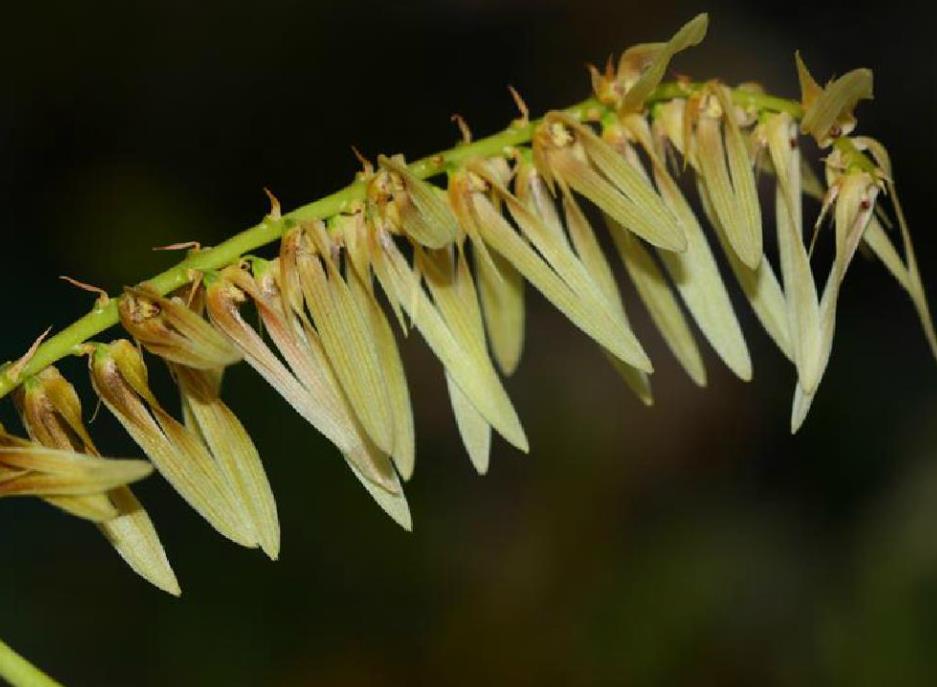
587,247
51,412
502,298
854,209
119,378
133,536
594,321
803,308
235,453
726,167
657,296
313,391
694,272
346,336
571,152
760,286
450,283
404,449
914,285
473,429
480,385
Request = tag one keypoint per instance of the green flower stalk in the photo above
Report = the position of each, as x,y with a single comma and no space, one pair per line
19,672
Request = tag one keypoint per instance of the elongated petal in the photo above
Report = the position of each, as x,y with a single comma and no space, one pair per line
654,290
302,348
690,34
644,213
853,212
315,395
179,455
803,308
51,412
604,329
392,501
132,534
877,239
760,286
567,265
828,301
731,186
481,385
235,453
450,283
502,299
474,430
222,304
694,272
54,472
346,336
404,450
743,180
587,246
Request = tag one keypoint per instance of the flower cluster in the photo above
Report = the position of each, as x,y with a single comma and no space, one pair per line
452,264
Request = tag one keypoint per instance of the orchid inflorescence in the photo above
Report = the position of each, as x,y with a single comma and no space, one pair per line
452,264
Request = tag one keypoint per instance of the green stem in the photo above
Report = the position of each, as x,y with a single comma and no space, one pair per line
103,316
21,673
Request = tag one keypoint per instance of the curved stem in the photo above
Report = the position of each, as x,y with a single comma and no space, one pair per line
104,315
21,673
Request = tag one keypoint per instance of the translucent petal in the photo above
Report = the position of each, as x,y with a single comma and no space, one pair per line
481,385
315,395
760,285
590,252
731,186
803,308
224,313
502,299
404,449
474,430
657,296
694,272
132,534
346,336
178,455
598,324
235,453
51,412
651,220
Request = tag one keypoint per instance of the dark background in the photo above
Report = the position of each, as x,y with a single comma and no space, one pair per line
695,542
